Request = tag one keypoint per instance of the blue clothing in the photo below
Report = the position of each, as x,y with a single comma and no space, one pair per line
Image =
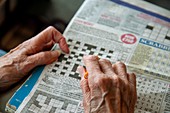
2,52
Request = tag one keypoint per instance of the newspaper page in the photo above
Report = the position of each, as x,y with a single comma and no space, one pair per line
116,32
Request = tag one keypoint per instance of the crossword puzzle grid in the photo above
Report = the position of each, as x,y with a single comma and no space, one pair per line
66,66
159,62
146,88
157,32
151,94
69,63
42,102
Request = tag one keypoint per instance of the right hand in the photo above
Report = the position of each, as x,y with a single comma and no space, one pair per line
109,88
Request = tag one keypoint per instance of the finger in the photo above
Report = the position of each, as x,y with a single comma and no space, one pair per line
44,57
125,108
81,71
84,82
39,41
120,69
63,45
106,66
48,46
84,86
132,81
92,64
57,37
116,101
114,68
125,96
41,58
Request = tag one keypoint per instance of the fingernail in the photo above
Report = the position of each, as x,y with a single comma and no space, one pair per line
59,52
91,57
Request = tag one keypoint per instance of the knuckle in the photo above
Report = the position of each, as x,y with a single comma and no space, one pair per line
134,75
126,86
95,70
63,40
103,80
90,58
121,64
44,55
99,81
51,28
105,61
116,80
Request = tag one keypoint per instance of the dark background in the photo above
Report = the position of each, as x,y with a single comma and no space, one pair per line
26,18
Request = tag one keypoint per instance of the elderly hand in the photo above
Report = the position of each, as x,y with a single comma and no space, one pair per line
108,88
31,53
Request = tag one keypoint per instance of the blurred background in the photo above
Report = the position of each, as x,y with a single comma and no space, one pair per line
22,19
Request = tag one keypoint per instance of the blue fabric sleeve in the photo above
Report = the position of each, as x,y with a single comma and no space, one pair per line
2,52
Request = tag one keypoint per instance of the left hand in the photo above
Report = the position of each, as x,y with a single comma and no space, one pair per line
31,53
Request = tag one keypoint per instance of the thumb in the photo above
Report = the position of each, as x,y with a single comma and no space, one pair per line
85,87
84,82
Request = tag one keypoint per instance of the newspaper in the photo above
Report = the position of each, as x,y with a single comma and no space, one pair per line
115,31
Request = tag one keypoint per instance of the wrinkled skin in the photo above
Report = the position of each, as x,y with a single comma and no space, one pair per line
109,88
31,53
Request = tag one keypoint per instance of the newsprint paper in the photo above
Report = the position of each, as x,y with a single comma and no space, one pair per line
114,30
